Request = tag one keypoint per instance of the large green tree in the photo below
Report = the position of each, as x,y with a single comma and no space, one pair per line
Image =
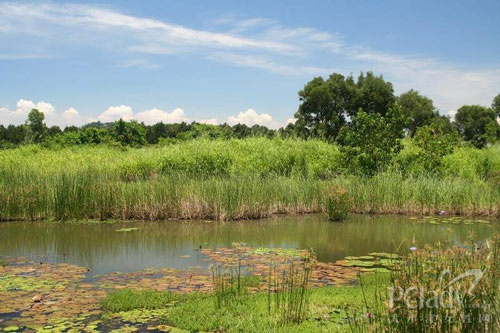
419,109
36,128
477,124
326,105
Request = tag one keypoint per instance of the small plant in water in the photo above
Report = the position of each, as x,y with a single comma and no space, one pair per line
338,203
230,284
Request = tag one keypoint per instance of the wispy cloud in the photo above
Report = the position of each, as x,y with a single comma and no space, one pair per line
22,56
262,62
258,43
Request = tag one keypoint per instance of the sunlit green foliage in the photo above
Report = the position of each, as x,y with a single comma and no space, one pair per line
371,141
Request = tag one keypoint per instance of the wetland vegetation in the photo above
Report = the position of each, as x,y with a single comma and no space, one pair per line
232,179
354,147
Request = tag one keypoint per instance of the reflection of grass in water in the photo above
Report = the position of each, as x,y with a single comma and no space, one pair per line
127,229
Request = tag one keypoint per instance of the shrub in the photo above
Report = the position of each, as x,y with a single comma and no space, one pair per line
466,162
371,141
338,203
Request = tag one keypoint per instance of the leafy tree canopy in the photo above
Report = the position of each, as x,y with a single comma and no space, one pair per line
419,109
327,104
477,124
36,128
495,106
129,133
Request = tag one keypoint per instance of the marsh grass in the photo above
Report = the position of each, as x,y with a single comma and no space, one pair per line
195,312
219,180
127,299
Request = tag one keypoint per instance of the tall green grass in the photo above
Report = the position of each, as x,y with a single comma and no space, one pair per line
223,180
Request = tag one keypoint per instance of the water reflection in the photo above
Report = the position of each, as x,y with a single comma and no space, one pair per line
175,244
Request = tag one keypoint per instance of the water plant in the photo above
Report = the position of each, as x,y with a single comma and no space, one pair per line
338,203
289,290
230,285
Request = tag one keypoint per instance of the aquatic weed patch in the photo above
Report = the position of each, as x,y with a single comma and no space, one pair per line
62,297
46,297
258,262
380,262
162,279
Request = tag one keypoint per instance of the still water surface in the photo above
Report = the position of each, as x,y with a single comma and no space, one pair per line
103,249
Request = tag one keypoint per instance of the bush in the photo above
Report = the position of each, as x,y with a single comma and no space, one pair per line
466,162
338,203
371,141
425,152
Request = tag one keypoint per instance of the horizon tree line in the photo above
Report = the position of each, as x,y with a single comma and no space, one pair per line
337,109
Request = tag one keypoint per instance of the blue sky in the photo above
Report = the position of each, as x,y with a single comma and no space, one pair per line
234,61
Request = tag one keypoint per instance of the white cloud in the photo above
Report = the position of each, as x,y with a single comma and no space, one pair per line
8,117
265,63
114,113
19,115
250,117
452,114
211,121
72,117
29,16
154,116
258,43
290,121
70,113
23,108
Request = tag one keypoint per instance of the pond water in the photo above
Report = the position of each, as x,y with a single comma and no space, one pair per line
103,249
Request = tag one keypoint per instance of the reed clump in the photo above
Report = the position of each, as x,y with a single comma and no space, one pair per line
289,290
338,203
